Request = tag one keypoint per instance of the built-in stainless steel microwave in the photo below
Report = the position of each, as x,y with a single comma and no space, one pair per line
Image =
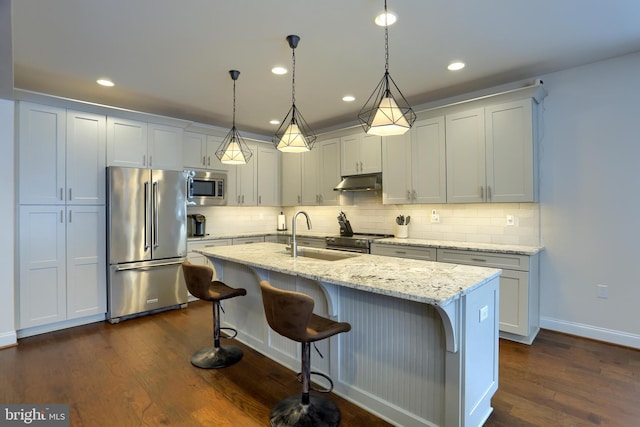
206,188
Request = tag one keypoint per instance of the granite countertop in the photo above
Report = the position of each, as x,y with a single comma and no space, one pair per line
446,244
422,281
219,236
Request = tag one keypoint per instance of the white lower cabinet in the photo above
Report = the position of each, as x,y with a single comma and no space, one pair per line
519,283
247,240
62,273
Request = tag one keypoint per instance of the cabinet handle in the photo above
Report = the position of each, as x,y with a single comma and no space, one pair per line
401,252
259,200
70,198
488,192
361,168
150,161
414,195
243,199
408,195
299,198
208,160
61,193
321,198
61,216
478,260
204,160
238,199
144,160
70,213
482,192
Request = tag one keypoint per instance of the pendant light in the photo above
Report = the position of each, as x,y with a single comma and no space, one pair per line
234,150
386,112
294,134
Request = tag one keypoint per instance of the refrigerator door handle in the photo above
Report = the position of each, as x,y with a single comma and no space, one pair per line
145,267
156,215
146,215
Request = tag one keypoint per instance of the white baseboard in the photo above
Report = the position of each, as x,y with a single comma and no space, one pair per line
592,332
8,339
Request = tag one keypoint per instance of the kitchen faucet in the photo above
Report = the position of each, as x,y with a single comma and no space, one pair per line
294,244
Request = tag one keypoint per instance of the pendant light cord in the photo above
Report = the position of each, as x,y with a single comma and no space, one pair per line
234,104
293,77
386,39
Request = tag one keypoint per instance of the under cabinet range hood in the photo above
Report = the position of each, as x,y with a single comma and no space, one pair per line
370,182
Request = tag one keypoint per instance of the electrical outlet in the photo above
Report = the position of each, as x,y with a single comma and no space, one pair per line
484,313
602,291
435,216
511,220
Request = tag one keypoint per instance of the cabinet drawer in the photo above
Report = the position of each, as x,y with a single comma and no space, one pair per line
484,259
247,240
423,253
207,244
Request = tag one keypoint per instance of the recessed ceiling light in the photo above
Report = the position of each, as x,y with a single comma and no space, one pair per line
348,98
274,122
455,66
389,17
279,70
105,82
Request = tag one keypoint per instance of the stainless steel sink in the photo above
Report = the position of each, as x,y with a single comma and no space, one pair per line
325,255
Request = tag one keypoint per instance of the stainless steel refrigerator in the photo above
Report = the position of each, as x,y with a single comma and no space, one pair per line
146,240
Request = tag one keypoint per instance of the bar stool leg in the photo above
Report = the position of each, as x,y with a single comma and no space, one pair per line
307,409
216,356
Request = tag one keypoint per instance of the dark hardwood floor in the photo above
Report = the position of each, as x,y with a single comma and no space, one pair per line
137,373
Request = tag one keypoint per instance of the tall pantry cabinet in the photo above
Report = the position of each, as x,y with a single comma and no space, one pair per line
61,192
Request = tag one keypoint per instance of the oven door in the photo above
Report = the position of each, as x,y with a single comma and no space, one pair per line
348,249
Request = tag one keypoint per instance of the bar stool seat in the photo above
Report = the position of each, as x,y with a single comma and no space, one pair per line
290,314
200,284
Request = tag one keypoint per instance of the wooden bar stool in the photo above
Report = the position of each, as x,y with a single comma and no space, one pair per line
291,315
200,285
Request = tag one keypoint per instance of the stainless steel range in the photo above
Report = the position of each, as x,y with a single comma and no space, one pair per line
357,242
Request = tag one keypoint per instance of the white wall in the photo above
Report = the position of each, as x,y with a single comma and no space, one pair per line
590,201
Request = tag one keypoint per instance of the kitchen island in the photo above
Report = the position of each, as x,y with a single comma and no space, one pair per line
423,349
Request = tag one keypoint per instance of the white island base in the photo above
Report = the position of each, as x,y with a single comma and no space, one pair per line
409,362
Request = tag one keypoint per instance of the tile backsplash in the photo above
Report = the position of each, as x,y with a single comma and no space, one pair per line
475,222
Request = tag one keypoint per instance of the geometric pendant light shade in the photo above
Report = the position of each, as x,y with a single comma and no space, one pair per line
294,134
234,150
386,112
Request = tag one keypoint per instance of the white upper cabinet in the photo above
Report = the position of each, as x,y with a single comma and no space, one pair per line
164,147
268,161
241,181
466,176
510,151
41,154
126,143
61,156
414,165
320,172
360,154
86,158
199,151
490,153
291,179
135,144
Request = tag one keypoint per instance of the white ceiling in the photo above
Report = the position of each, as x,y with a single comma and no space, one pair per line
172,57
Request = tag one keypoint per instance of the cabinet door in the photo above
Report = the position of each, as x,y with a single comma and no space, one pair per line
246,179
126,143
86,158
194,150
328,171
42,291
268,176
371,154
509,152
465,157
428,157
291,179
396,169
86,261
350,154
213,162
165,147
514,302
309,171
41,154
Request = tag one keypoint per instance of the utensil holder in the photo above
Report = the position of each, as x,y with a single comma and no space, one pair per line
402,231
